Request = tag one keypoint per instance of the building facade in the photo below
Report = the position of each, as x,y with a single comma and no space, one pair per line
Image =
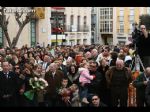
78,25
125,17
114,24
37,30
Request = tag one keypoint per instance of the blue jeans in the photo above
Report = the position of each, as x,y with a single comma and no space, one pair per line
83,91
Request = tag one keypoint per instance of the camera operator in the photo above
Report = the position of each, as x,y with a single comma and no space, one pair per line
143,45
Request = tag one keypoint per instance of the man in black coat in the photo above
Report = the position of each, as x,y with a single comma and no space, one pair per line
8,86
143,45
118,79
96,85
54,78
141,83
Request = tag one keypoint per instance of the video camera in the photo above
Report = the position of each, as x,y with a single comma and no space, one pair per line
136,34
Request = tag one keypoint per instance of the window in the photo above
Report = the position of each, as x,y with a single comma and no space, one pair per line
121,27
111,13
131,18
121,12
131,11
1,37
33,32
105,23
78,23
71,19
85,20
111,26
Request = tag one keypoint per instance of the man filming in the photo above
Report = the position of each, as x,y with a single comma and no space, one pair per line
143,45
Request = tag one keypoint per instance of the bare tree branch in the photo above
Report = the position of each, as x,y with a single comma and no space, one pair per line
29,17
18,16
4,24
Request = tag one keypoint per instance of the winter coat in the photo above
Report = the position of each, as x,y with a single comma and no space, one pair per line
85,76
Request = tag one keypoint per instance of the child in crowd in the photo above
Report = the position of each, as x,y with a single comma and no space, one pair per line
64,93
75,100
84,80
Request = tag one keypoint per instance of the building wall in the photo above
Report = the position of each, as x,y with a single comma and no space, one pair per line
43,29
13,27
75,37
127,29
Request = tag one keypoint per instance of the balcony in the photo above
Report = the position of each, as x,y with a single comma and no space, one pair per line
73,28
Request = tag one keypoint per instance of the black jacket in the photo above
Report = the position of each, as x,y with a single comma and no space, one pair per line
140,87
147,93
143,46
8,86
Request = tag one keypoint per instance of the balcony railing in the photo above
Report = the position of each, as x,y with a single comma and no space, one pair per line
80,28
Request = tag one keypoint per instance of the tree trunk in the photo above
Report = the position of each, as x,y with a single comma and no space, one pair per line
15,40
7,37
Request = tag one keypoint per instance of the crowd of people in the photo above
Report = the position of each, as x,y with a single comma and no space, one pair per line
77,76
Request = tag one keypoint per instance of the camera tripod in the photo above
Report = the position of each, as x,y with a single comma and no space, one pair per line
137,61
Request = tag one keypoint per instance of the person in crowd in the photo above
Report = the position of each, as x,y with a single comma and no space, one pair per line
54,78
94,54
62,67
17,70
118,79
39,73
84,80
28,73
45,63
64,99
116,49
112,61
96,101
104,55
143,45
38,59
8,86
147,90
140,83
88,55
73,75
75,100
105,94
94,87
